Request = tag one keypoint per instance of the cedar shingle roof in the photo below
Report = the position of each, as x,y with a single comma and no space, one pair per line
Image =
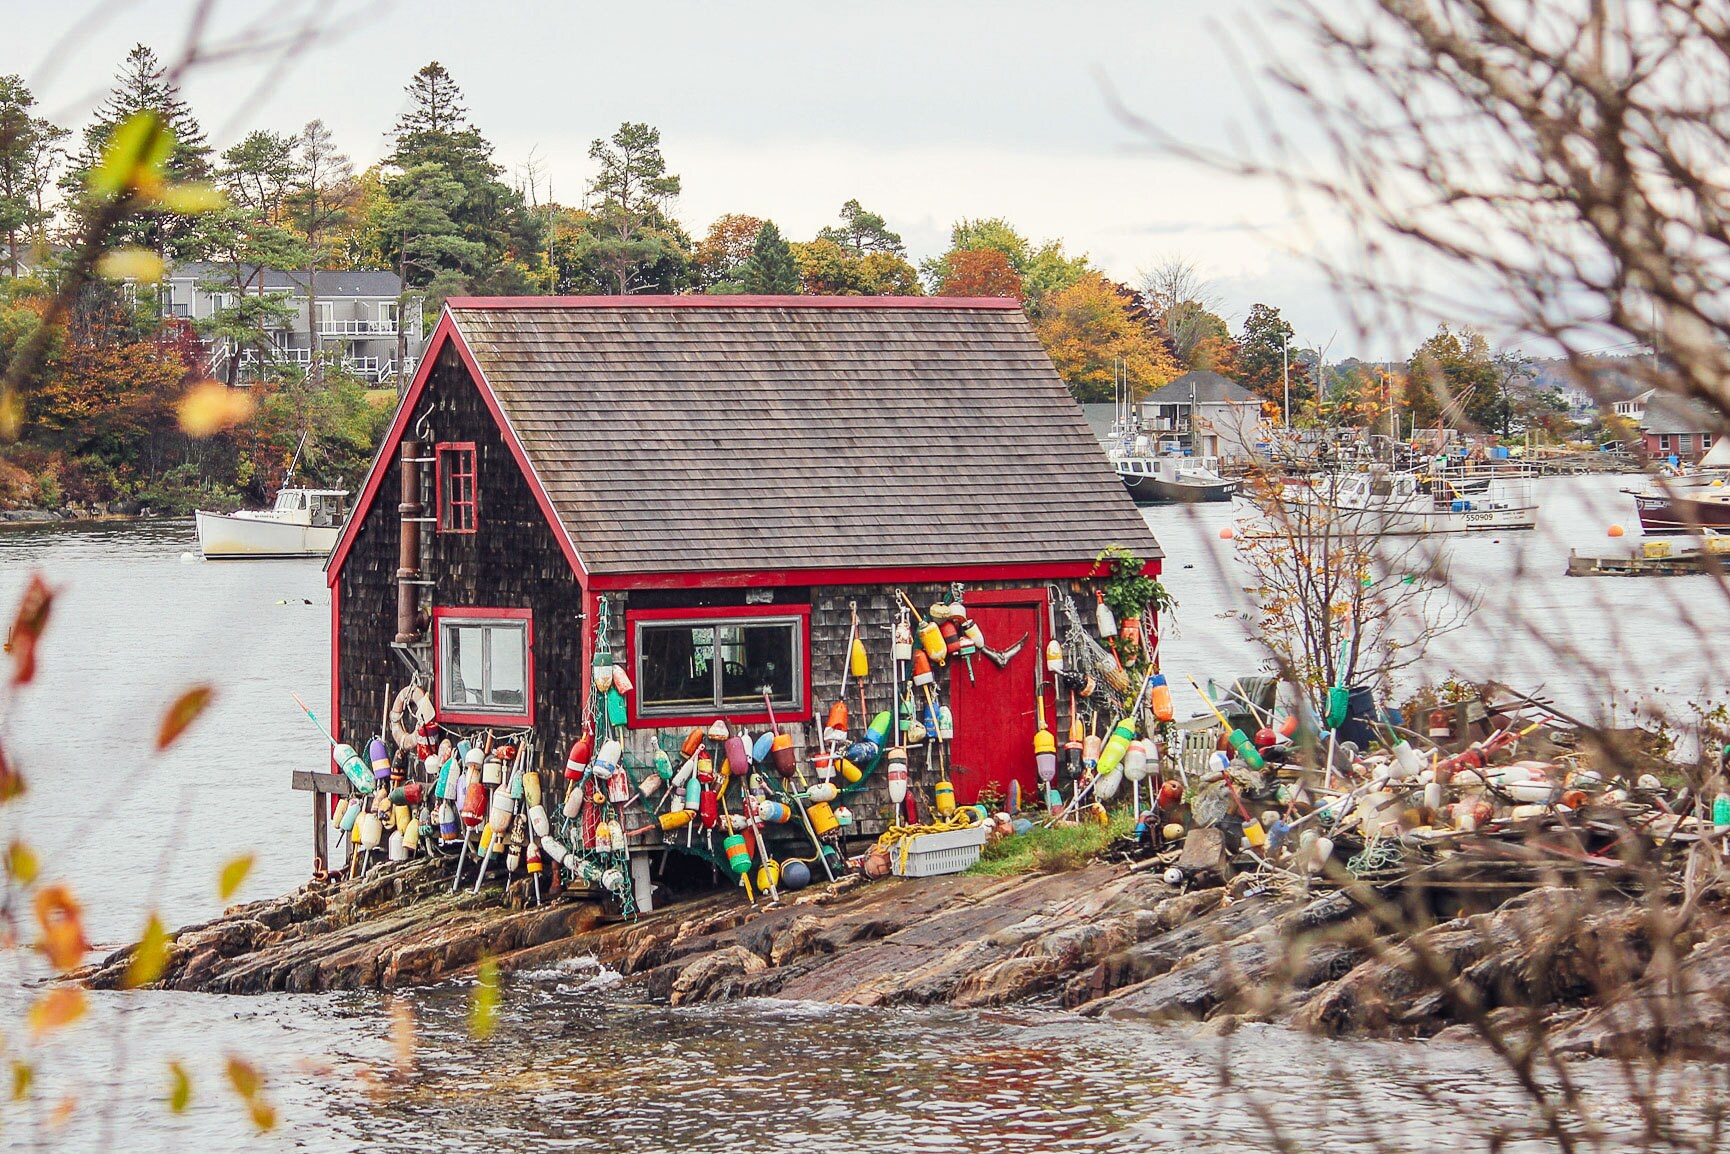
1205,387
694,434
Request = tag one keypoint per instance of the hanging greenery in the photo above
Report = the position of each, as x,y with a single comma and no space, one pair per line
1128,590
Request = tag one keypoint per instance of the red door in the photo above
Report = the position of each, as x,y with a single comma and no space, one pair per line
994,711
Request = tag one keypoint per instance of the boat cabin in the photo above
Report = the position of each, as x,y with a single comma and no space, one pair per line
637,516
317,507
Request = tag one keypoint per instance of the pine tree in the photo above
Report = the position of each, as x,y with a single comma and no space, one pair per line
29,148
143,85
771,271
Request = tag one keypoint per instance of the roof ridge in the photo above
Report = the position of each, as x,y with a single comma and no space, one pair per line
742,300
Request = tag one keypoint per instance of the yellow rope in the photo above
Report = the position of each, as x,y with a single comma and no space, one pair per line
963,818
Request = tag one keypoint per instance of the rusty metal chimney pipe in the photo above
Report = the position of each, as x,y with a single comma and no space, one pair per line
408,561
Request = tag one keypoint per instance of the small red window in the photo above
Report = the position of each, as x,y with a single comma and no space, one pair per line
456,487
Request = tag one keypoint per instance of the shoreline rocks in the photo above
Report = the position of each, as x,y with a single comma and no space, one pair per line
1101,941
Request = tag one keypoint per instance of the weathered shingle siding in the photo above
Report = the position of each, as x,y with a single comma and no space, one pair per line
511,561
684,439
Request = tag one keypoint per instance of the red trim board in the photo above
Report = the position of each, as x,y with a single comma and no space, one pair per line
719,613
648,300
908,575
465,613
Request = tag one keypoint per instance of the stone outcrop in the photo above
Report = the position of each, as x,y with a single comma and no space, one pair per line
1103,941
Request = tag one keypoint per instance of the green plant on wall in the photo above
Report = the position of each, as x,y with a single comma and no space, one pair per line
1130,593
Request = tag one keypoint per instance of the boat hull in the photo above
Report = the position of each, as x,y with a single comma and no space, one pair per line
1145,490
222,537
1662,513
1423,522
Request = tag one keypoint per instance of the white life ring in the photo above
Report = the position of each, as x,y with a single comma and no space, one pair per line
412,697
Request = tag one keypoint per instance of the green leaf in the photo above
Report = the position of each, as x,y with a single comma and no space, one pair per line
135,156
483,1014
233,874
148,957
179,1088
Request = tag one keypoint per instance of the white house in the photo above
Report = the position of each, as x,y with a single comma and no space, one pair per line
1213,415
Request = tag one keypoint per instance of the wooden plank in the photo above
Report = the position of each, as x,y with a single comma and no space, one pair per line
305,779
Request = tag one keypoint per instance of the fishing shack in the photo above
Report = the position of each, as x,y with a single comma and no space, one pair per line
811,548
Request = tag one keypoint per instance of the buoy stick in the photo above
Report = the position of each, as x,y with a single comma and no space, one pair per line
312,717
799,801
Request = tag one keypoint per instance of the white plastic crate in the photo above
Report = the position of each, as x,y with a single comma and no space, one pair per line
931,854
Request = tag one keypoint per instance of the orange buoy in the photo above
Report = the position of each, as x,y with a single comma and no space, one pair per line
1227,533
693,741
835,729
922,674
1617,530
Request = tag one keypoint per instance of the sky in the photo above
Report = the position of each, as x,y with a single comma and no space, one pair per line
925,112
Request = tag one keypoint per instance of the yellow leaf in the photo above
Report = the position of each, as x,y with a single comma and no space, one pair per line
149,956
179,1088
211,406
182,713
21,863
22,1076
61,920
233,874
11,781
58,1008
134,157
484,1012
263,1114
63,1111
244,1077
137,264
190,199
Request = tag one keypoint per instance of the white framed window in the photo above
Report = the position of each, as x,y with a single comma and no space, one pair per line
485,669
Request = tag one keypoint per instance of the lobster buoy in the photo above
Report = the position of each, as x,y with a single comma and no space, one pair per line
795,875
922,674
492,771
1616,530
782,757
1054,656
1116,746
1159,697
534,857
1135,760
692,743
945,794
835,728
371,830
532,787
822,791
931,644
1288,725
515,783
617,714
573,801
349,816
738,854
898,775
823,764
773,812
607,761
945,724
555,849
398,848
409,794
1441,725
582,752
603,672
1227,533
619,787
379,755
673,819
843,816
951,634
353,768
449,826
1170,794
768,875
1129,631
850,771
1265,737
500,814
1090,748
538,821
857,663
822,818
1106,786
1044,755
764,746
738,757
708,808
719,730
474,810
1103,617
903,644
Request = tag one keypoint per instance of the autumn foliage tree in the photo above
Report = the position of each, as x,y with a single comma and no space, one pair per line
722,255
979,273
1089,332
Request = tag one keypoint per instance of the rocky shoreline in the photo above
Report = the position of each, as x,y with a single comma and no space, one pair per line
1105,941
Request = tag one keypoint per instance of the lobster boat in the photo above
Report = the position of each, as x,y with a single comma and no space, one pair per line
1419,503
302,523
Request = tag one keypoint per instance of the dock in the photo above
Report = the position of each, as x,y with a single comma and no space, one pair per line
1652,559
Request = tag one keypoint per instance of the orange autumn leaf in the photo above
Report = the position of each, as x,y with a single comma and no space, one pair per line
183,713
56,1009
27,628
61,921
11,781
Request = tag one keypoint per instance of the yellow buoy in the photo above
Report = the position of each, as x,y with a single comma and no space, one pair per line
856,661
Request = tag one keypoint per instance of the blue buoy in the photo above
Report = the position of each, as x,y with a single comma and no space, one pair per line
795,875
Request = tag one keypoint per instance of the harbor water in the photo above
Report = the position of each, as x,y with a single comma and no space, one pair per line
577,1062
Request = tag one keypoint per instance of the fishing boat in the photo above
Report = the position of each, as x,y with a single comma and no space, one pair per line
302,523
1168,478
1379,501
1690,500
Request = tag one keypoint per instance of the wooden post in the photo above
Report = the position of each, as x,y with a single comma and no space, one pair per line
321,786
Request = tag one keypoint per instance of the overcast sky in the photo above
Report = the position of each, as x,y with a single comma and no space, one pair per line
925,112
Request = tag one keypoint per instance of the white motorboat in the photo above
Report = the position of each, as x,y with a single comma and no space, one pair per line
1169,478
1410,503
303,523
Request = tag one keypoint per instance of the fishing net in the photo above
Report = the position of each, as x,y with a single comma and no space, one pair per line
1091,672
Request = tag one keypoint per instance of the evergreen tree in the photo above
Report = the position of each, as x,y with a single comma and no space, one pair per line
770,269
632,237
29,149
143,85
1263,354
863,232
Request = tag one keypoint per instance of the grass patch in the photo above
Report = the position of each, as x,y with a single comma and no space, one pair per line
1054,850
